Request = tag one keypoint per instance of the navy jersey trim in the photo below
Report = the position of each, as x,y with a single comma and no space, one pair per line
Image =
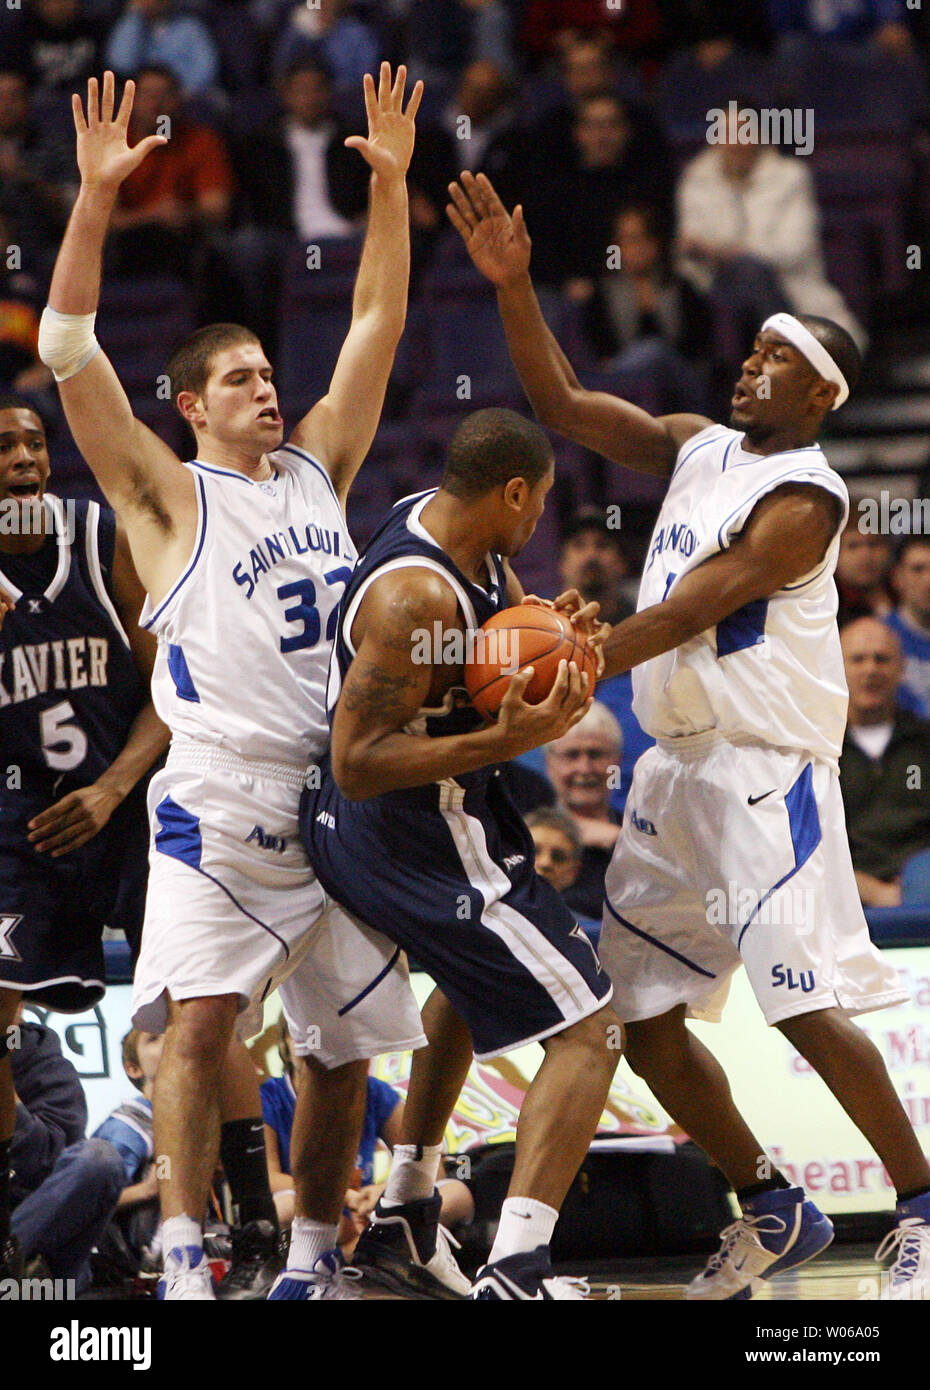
654,941
315,463
193,564
385,970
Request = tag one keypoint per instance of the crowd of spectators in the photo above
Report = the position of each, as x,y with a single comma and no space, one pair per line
663,250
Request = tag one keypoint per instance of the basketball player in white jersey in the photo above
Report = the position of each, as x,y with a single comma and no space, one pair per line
244,553
734,847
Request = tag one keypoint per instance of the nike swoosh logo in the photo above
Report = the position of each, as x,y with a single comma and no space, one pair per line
753,799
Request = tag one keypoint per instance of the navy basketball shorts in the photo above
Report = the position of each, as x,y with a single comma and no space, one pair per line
52,911
446,872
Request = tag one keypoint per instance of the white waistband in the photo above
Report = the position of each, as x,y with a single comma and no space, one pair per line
189,752
690,746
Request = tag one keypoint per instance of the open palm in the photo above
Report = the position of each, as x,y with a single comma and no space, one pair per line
497,242
104,155
391,129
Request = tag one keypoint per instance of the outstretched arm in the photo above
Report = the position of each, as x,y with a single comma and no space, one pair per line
786,537
140,476
500,247
339,429
386,686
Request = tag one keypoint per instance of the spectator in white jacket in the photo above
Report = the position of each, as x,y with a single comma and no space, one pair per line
746,200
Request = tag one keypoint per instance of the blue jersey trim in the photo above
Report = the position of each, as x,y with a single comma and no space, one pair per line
221,472
315,463
691,452
372,985
804,825
179,836
193,564
729,449
180,674
742,629
768,487
180,839
698,969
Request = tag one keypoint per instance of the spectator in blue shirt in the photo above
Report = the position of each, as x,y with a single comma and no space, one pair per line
911,620
150,33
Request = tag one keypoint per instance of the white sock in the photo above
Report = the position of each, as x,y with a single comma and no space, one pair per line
524,1224
413,1173
309,1240
178,1231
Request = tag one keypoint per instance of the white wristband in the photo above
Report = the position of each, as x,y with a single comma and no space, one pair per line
66,342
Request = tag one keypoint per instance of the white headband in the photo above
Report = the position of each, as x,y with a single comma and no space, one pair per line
802,338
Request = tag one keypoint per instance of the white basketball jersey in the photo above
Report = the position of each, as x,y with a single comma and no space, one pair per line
773,671
244,636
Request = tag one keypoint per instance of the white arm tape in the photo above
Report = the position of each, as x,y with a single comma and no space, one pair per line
66,342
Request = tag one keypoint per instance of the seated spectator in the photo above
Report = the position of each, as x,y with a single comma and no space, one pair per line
169,208
486,139
749,232
38,173
154,33
129,1129
326,32
911,619
58,44
558,857
643,301
884,765
581,766
57,1189
20,305
862,571
297,180
615,156
593,561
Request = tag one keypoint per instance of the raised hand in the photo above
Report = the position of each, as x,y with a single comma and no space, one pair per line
104,155
497,242
391,129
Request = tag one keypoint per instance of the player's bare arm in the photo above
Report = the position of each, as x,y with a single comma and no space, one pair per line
340,428
142,479
386,686
76,818
7,604
500,247
785,538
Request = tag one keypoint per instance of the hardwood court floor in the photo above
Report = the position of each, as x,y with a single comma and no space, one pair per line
843,1273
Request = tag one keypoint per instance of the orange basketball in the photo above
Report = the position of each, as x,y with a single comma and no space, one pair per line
514,639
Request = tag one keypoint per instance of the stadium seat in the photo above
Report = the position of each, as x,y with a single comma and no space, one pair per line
915,880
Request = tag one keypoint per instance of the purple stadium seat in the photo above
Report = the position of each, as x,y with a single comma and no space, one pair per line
687,91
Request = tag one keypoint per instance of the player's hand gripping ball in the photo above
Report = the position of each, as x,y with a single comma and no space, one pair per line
520,637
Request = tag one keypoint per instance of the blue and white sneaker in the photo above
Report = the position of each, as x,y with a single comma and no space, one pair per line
909,1276
526,1277
329,1278
776,1232
187,1275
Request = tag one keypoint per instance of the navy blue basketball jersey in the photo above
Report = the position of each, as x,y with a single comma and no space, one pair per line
69,688
401,541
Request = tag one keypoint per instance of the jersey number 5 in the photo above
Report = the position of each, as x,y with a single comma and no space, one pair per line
63,745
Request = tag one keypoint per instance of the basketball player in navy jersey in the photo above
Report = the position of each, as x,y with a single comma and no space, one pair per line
413,795
79,732
739,676
244,553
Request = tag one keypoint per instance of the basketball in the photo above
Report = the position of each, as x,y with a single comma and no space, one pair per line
514,639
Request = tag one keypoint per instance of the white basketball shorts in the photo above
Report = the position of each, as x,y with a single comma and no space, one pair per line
737,853
234,907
